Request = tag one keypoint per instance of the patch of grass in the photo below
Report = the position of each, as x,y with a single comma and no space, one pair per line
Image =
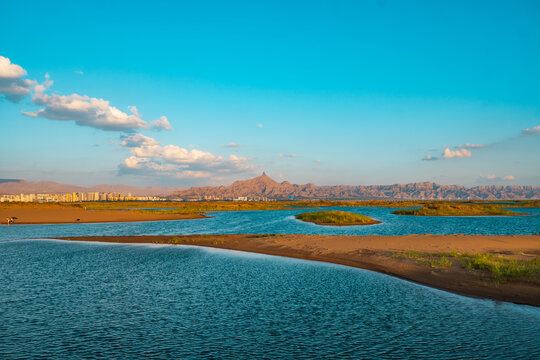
437,260
458,210
175,240
191,207
496,267
503,268
336,218
523,203
32,205
162,211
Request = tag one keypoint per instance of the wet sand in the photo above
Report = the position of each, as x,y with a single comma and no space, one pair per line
65,215
376,253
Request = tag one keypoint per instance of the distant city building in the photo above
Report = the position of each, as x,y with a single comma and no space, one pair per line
77,197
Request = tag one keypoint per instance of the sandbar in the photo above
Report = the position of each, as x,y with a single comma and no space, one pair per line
377,253
64,215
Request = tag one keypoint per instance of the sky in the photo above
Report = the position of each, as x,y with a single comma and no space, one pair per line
201,93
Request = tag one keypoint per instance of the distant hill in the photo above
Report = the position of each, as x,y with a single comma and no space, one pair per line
264,186
21,186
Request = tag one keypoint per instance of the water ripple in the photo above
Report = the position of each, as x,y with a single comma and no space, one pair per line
79,300
283,222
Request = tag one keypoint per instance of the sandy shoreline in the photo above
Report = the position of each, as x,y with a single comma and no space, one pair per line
66,215
377,253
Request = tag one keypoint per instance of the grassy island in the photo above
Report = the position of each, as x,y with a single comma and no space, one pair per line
458,210
336,218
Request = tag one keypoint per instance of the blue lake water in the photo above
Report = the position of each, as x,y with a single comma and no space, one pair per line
283,221
91,300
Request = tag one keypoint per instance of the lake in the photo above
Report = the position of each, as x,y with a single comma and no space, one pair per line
94,300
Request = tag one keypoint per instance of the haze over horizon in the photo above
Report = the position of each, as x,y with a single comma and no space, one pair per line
377,92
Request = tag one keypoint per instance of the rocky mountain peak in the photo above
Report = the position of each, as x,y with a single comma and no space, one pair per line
265,187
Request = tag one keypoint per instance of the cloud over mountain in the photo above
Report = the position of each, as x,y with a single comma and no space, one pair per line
460,151
492,178
149,157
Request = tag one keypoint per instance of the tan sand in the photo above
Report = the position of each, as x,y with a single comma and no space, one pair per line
375,253
62,215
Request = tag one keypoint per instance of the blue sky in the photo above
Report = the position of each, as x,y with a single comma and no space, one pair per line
360,92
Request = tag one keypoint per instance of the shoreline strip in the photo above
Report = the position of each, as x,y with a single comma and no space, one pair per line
378,253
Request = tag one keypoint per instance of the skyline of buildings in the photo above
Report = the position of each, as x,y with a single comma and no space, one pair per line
76,197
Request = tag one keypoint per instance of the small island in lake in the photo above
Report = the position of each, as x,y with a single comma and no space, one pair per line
457,209
336,218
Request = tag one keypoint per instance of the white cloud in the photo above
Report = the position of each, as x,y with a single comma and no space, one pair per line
492,178
288,155
149,157
85,111
470,146
429,157
260,125
318,161
458,153
138,140
531,131
161,124
9,70
12,85
231,145
79,72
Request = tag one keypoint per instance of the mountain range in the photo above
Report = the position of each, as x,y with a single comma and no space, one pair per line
265,187
14,186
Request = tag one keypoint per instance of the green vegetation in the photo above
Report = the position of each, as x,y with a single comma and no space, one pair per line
174,240
336,218
177,240
258,236
457,209
194,207
502,268
520,203
198,207
162,211
433,259
30,205
496,267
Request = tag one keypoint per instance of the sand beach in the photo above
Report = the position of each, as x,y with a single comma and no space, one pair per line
401,256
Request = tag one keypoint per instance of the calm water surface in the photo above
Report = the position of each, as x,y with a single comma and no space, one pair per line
91,300
283,221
